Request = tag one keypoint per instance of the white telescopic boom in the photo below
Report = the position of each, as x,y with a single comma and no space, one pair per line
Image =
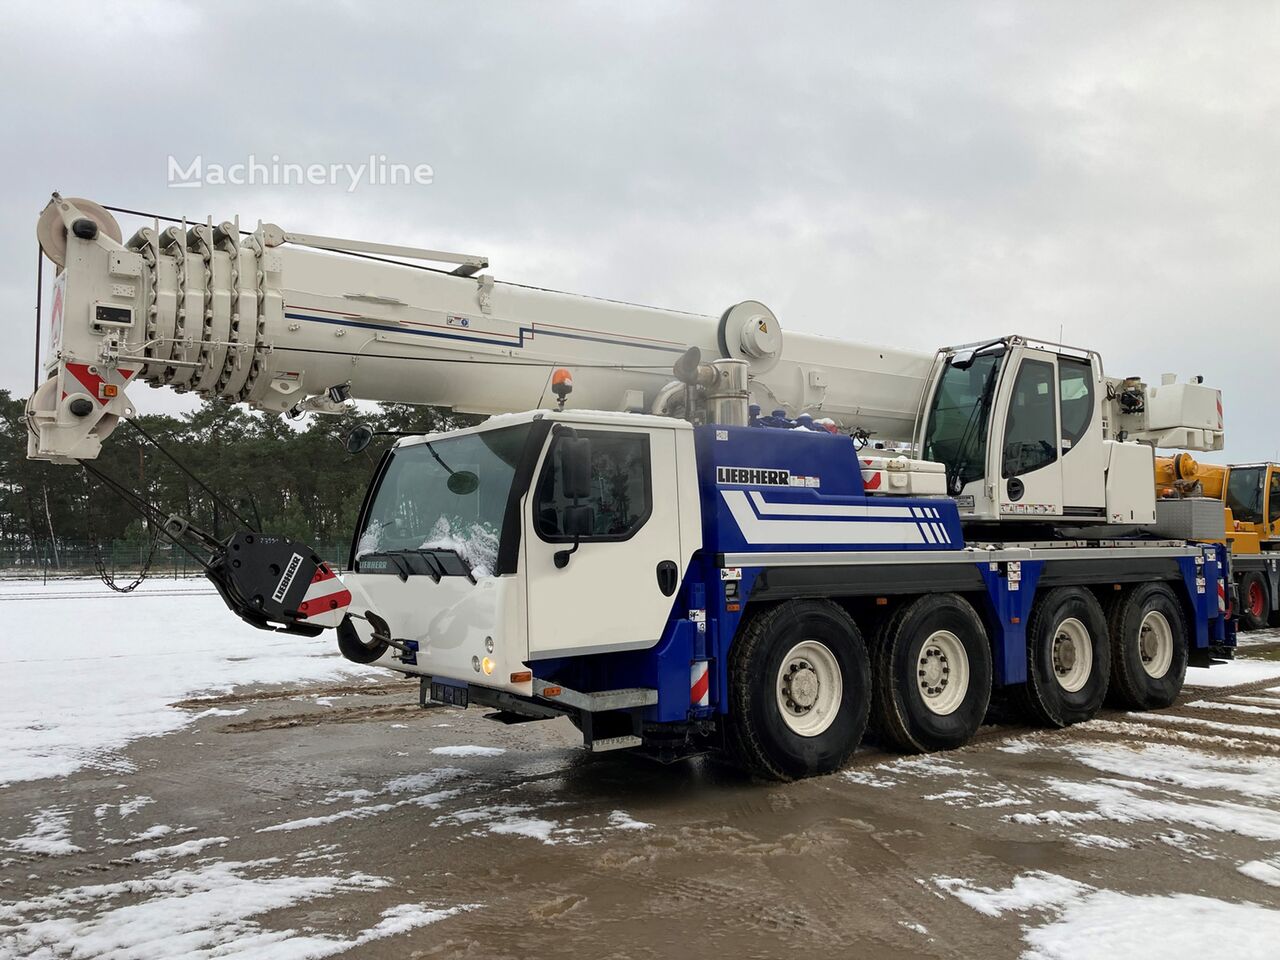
275,320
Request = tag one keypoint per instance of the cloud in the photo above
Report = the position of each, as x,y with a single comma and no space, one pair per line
912,173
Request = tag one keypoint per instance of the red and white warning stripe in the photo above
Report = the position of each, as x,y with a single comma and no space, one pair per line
326,600
86,377
1222,596
872,476
700,684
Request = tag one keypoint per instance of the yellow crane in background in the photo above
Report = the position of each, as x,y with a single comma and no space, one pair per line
1250,498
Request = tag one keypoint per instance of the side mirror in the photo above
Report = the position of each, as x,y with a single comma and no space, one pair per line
579,521
359,438
575,467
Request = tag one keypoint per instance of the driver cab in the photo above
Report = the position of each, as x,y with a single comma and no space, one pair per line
1018,426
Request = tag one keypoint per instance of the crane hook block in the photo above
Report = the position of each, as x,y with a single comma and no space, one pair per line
274,583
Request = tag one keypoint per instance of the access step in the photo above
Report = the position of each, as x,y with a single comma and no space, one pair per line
509,717
614,743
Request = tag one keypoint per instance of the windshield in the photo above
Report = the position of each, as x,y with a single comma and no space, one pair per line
956,434
448,494
1244,494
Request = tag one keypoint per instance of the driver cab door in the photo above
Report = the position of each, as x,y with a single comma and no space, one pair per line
603,562
1026,465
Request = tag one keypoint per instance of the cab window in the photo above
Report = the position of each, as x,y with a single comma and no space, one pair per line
1273,498
1244,494
621,489
1031,426
1075,389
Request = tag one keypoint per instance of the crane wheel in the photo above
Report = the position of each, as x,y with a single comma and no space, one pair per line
799,690
1068,659
1149,647
1255,601
932,671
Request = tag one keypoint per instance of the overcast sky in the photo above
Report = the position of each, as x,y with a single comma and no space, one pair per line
910,173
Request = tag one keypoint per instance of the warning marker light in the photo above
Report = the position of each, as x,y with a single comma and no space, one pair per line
522,676
561,385
108,391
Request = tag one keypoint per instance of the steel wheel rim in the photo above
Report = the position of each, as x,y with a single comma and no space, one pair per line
1155,644
809,688
1072,655
1255,598
942,673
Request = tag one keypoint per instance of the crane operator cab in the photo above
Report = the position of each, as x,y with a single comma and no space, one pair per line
1026,431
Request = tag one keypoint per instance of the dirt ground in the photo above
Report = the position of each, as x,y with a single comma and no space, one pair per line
529,847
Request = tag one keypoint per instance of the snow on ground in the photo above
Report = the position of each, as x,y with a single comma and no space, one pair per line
83,671
1093,924
1196,795
421,788
1268,871
468,750
187,848
1233,673
49,835
1106,924
1029,891
621,820
205,911
1238,707
1253,638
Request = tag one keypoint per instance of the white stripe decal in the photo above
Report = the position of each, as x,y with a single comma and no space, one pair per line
928,534
941,531
819,510
760,530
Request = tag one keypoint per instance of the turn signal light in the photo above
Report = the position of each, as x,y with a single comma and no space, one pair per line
522,676
487,666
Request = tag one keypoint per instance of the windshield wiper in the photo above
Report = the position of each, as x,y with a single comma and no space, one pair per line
434,562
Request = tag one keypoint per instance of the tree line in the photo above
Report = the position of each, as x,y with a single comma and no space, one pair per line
293,479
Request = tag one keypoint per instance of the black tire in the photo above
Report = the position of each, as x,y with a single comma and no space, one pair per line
758,735
1255,601
1067,672
1131,685
900,708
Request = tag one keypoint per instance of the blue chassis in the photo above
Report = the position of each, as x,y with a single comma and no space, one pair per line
823,503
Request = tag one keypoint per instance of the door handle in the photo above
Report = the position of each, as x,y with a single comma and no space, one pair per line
668,577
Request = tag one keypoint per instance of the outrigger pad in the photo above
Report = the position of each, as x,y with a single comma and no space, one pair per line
275,583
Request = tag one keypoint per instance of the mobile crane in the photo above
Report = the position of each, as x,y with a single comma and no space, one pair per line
662,560
1239,505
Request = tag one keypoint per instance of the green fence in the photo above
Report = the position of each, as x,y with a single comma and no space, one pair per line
121,558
